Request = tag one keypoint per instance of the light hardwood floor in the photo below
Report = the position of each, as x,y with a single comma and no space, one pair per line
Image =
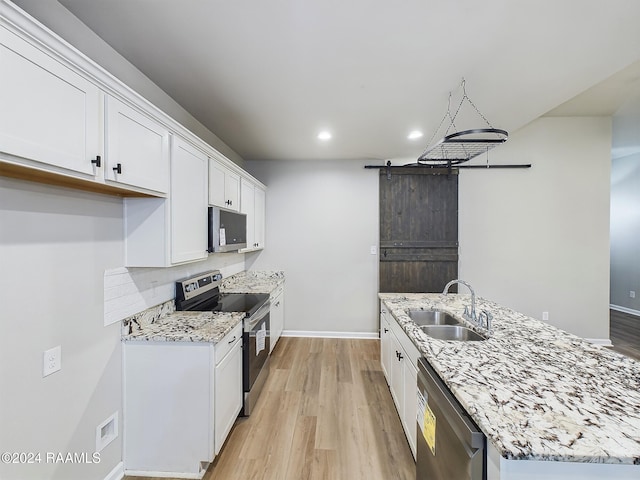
325,413
625,333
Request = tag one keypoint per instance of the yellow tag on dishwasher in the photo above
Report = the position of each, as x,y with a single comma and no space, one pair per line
429,428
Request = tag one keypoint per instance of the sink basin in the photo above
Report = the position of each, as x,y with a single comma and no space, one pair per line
432,317
451,332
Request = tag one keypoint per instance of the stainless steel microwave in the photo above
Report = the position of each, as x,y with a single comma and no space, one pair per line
227,230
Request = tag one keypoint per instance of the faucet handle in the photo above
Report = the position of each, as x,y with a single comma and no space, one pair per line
485,319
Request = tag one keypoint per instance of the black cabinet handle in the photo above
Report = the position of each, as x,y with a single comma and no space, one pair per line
400,356
118,168
386,330
232,340
97,161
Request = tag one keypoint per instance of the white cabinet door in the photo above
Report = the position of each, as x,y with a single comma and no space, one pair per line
259,217
276,317
247,206
49,115
224,186
385,346
410,403
188,202
253,204
397,375
228,391
168,411
137,148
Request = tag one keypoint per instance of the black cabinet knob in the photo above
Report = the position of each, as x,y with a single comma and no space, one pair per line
118,168
97,161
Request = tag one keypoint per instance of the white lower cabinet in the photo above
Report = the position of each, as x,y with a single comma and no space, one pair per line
399,359
385,345
180,402
276,316
228,386
168,407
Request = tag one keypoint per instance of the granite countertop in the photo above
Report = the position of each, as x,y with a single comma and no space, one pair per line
252,282
163,323
537,392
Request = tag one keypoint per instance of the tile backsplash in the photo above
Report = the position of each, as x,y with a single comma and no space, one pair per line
128,291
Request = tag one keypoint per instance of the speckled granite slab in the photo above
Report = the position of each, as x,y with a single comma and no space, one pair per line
252,282
163,324
537,392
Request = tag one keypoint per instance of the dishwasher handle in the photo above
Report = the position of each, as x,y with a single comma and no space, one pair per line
457,417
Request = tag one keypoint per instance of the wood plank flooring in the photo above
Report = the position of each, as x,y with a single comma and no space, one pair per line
625,333
325,413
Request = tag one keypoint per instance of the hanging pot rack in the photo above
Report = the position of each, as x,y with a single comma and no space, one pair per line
461,146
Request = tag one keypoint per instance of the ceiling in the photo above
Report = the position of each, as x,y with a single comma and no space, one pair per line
266,77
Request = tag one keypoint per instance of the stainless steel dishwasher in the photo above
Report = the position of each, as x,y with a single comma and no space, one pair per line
450,446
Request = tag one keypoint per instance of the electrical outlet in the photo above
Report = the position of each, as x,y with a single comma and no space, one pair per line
374,250
632,294
52,361
545,316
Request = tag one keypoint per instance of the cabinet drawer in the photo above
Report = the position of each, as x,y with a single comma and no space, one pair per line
225,345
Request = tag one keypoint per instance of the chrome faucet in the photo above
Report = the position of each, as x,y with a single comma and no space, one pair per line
469,313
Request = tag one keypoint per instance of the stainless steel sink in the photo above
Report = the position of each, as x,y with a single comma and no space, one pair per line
432,317
452,332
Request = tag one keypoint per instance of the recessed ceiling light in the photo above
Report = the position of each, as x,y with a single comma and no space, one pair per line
414,135
324,135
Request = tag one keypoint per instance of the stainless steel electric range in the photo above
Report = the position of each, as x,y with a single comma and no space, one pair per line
202,293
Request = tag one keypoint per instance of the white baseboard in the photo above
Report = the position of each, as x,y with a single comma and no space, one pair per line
117,473
630,311
314,334
605,342
136,473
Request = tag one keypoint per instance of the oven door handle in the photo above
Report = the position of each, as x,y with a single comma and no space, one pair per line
257,317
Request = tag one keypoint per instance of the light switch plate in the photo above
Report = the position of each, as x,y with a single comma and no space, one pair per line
52,361
374,250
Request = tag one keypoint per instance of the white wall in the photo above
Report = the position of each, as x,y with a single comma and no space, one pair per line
54,247
537,240
625,232
322,219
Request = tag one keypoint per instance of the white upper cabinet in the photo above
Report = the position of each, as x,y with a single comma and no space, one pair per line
137,148
260,199
161,232
252,204
188,202
50,117
224,186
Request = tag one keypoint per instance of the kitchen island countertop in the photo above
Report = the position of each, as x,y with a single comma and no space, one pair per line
537,392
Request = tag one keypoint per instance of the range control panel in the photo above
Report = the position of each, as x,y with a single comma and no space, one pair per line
198,285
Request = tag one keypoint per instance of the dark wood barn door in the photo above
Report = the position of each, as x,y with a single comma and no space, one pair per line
418,229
